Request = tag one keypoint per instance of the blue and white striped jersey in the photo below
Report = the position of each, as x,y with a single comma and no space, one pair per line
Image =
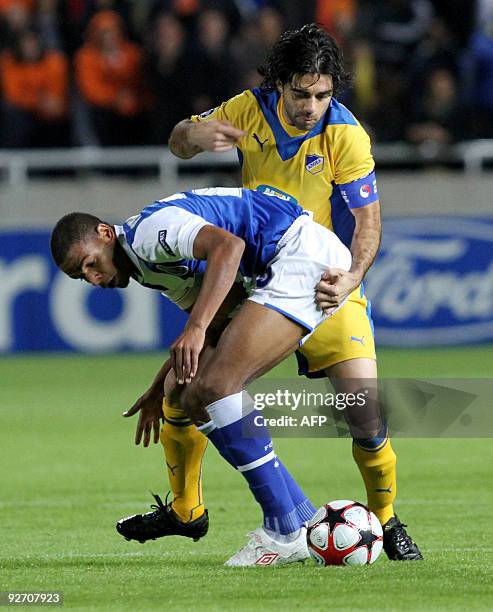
159,240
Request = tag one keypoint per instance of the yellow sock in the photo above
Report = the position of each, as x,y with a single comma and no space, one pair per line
184,449
378,468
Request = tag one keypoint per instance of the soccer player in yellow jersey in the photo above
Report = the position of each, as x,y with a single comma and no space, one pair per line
295,140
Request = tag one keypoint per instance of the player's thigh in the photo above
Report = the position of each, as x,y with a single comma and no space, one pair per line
256,340
347,335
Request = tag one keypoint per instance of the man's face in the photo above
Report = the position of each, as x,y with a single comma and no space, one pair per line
306,99
94,260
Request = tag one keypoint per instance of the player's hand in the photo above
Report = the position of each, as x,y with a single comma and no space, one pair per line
150,409
216,136
185,352
334,287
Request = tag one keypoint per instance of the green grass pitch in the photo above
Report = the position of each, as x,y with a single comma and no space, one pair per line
69,470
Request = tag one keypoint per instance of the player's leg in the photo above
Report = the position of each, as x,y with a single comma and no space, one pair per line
184,447
344,348
256,339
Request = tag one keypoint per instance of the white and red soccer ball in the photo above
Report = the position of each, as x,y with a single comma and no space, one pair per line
344,532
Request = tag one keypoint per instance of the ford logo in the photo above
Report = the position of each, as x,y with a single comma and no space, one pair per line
432,283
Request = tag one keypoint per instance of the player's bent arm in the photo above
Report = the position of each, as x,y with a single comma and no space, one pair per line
222,252
189,137
337,284
179,142
366,239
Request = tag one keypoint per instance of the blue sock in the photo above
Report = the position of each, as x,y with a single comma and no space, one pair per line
303,505
215,436
255,459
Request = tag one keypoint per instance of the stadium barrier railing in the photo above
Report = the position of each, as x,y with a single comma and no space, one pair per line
16,165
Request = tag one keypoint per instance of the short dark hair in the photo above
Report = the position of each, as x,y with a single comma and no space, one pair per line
70,229
309,50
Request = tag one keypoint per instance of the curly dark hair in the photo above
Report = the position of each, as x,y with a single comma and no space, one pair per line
70,229
309,50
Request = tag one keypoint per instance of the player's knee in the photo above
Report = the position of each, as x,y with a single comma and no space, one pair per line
205,389
172,391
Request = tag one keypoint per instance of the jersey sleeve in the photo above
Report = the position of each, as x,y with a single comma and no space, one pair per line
354,166
167,235
234,110
352,154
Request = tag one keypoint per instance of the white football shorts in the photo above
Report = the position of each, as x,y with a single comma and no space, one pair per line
305,251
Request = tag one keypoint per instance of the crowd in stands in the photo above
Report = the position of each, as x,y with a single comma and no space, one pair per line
117,72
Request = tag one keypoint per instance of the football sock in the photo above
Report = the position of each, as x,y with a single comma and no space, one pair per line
248,446
303,505
376,461
184,449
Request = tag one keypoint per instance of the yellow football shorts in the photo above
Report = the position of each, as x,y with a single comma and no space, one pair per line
348,334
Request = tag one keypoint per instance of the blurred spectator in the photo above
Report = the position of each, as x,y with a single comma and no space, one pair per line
34,83
254,41
459,18
109,76
7,5
396,28
15,18
337,17
47,22
169,76
438,117
213,70
393,29
478,63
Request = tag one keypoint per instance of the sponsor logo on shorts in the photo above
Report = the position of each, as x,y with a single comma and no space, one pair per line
365,191
360,340
314,163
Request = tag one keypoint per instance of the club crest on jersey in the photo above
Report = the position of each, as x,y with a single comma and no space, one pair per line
162,241
314,163
207,113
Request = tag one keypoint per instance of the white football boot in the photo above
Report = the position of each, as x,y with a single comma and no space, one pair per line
262,550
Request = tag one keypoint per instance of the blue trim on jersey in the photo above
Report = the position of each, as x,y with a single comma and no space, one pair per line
339,114
240,156
343,221
288,315
289,146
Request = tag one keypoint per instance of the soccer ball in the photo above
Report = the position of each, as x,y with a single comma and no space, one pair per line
344,532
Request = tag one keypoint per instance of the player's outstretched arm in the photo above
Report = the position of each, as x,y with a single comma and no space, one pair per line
337,284
222,251
189,138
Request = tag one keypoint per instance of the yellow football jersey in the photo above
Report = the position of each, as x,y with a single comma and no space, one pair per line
311,168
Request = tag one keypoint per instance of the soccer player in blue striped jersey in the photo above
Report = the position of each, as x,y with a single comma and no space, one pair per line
194,246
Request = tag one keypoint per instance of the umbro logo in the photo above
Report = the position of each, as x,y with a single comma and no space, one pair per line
267,559
260,142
